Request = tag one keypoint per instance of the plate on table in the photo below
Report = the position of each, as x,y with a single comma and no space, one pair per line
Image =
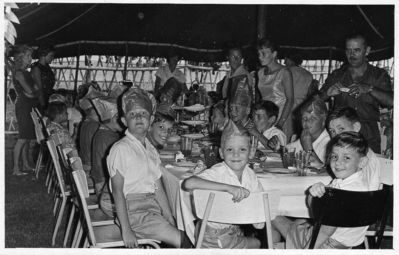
193,122
193,136
195,108
178,168
279,170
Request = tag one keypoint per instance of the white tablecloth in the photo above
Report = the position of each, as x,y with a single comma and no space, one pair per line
292,199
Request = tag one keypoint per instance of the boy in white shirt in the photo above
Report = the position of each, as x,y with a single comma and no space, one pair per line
235,177
134,168
265,116
347,158
346,119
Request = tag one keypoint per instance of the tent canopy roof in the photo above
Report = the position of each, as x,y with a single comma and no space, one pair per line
200,32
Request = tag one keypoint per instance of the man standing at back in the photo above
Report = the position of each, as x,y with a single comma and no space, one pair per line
362,87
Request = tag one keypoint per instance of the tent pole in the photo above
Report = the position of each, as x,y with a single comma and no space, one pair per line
125,66
261,21
75,88
329,60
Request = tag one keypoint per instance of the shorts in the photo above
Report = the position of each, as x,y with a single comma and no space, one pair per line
145,217
23,108
226,238
300,234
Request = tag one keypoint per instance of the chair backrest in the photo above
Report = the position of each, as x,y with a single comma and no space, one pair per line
80,182
343,208
218,207
224,210
38,127
63,152
57,166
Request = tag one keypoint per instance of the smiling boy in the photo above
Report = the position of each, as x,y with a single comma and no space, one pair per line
233,176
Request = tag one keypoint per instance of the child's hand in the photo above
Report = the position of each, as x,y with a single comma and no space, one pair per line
239,193
130,239
273,143
317,190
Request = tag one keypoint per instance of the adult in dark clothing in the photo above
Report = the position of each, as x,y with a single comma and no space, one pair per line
27,97
42,74
362,87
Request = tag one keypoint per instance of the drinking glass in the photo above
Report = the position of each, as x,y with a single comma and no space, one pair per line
186,146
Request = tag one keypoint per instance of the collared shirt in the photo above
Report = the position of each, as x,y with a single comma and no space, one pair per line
138,164
366,106
63,134
372,171
222,173
165,74
350,236
319,145
273,131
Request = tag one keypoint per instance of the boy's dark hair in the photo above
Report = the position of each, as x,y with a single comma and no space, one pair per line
55,109
349,139
269,107
346,112
43,50
158,117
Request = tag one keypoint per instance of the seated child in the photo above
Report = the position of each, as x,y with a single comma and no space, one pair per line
58,117
314,137
160,129
87,129
234,176
107,134
265,116
134,167
347,157
219,118
346,119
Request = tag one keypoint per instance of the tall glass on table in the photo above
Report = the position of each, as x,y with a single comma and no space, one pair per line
186,146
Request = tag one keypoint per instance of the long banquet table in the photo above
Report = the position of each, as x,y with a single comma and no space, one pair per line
292,193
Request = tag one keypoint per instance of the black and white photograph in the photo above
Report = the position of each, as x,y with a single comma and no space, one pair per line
181,125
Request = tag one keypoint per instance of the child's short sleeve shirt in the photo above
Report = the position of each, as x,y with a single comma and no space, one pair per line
139,165
222,173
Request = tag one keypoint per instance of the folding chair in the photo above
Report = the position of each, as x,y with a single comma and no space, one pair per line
347,209
218,207
386,165
97,219
40,138
80,181
61,191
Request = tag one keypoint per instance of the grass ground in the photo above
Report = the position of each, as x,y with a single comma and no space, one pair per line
29,221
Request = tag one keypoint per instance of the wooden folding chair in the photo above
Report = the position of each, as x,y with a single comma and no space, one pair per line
347,209
218,207
62,192
115,240
40,138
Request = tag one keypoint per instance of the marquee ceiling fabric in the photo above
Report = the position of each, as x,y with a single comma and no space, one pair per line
200,32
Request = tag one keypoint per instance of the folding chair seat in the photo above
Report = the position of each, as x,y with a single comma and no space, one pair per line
218,207
97,235
343,208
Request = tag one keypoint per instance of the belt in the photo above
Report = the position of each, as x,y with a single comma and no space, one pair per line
137,196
